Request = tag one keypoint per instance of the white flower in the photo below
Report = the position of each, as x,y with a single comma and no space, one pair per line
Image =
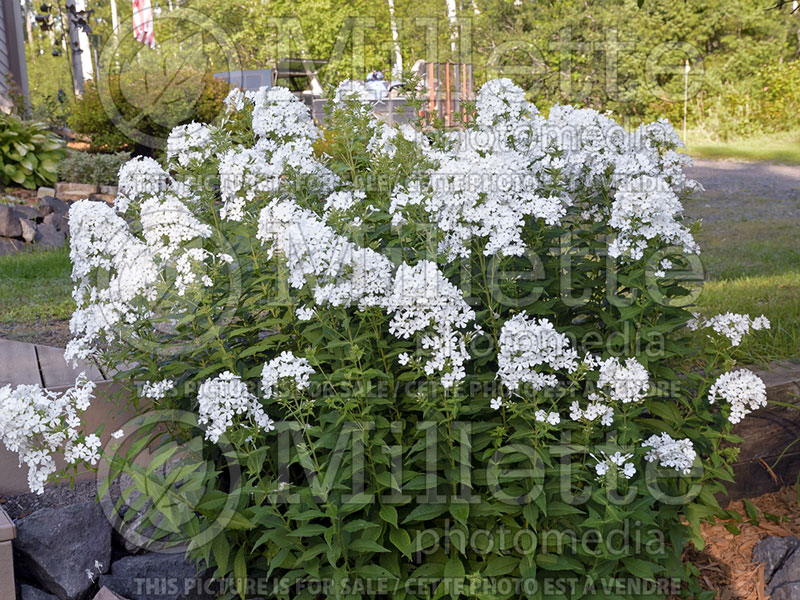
36,424
118,434
304,313
671,453
403,358
743,390
496,403
526,346
628,383
157,390
614,463
224,397
730,325
285,366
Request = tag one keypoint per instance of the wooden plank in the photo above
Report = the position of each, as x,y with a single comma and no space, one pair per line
18,364
57,372
768,457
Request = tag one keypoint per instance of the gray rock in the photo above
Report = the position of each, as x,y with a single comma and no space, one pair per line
57,220
772,551
28,592
48,236
10,246
154,576
29,230
9,222
26,212
50,204
790,591
56,546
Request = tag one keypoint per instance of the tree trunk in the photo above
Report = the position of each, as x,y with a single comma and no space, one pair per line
397,68
452,15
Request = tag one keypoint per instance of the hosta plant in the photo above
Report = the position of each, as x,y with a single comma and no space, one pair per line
411,362
29,152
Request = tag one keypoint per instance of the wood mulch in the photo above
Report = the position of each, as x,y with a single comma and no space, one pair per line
725,563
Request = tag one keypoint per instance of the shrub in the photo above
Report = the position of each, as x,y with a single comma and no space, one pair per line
141,108
421,363
29,152
96,169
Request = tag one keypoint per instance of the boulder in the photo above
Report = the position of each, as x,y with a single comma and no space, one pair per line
772,551
10,246
48,236
154,576
9,222
111,190
49,204
106,594
29,230
45,191
58,221
26,212
28,592
781,561
55,547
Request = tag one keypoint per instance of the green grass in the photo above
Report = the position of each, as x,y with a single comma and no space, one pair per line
35,286
754,267
781,147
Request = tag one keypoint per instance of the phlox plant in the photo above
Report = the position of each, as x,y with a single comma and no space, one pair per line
417,362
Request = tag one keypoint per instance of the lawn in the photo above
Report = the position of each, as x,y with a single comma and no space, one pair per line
35,298
754,267
781,147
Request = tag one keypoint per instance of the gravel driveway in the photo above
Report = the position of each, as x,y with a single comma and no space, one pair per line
744,190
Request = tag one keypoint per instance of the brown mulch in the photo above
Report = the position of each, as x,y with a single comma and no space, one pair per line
725,563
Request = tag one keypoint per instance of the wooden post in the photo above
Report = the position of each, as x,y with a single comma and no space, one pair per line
8,532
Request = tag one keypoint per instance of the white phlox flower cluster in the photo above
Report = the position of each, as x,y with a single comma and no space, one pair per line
594,410
285,134
222,398
157,390
670,453
614,463
528,345
552,418
623,383
285,366
743,390
343,273
190,144
641,170
37,423
422,300
730,325
140,177
102,249
117,273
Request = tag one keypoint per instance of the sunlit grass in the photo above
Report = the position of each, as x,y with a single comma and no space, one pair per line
35,286
781,147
